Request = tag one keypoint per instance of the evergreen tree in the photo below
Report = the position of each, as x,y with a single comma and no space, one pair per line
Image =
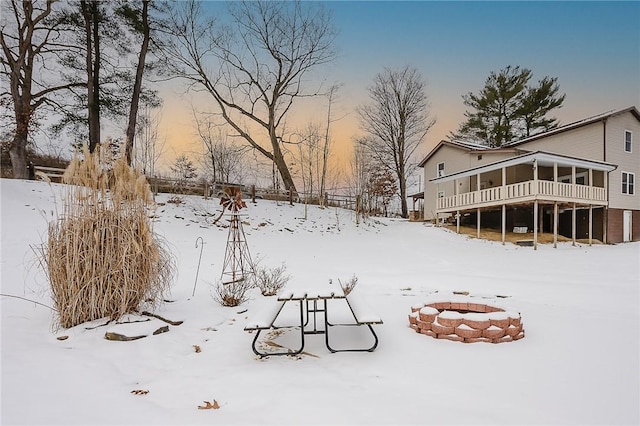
537,102
507,108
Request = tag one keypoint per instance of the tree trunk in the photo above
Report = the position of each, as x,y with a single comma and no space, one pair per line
18,155
403,197
90,14
135,99
18,147
279,161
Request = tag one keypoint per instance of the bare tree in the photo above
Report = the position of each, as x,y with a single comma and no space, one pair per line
260,69
149,147
139,21
223,160
30,37
92,15
397,121
326,149
184,171
360,177
309,160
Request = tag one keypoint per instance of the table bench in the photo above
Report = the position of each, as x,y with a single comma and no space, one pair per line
310,305
265,320
363,315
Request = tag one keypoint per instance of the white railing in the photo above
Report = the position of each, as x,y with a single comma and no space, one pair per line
541,189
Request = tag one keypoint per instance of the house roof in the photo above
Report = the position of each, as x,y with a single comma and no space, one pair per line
511,146
577,124
465,146
542,158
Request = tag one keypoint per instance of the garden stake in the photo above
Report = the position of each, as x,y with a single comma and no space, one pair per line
198,270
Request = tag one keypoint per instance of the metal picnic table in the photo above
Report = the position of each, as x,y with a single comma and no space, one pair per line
313,304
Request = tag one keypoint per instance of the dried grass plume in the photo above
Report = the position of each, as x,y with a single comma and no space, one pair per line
102,257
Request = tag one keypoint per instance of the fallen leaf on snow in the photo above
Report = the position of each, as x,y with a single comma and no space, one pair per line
209,406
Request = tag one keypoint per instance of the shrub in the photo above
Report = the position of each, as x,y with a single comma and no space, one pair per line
271,280
102,257
232,294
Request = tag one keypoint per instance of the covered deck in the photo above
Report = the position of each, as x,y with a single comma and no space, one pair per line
531,180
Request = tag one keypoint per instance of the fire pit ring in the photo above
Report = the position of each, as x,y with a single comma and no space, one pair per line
466,321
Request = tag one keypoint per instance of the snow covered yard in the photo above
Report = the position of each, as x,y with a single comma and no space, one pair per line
578,363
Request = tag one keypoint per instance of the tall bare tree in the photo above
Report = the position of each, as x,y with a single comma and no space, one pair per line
326,149
139,21
397,121
255,73
30,39
223,160
149,147
309,159
92,15
360,176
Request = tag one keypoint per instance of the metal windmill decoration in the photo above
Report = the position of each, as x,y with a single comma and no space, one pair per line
238,265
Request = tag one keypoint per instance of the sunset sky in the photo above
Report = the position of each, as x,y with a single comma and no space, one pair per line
593,48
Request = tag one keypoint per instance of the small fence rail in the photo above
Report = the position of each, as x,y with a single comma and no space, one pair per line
207,189
50,174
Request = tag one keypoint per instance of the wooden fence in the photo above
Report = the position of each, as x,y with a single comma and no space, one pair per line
207,189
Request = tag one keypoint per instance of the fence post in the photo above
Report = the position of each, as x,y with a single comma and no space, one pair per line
253,193
290,197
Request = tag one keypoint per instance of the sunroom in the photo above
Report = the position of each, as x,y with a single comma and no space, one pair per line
531,193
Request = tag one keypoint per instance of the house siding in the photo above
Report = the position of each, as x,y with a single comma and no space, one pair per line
584,142
626,161
455,160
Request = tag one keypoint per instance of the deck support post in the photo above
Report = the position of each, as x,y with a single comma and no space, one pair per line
573,225
478,189
504,222
555,224
535,224
590,223
458,221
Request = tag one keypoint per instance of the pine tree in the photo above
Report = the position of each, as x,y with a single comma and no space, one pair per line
507,108
537,102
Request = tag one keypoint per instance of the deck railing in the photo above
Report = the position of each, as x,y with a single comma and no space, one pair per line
540,189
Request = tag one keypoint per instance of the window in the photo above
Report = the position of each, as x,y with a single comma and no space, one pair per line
628,137
440,194
628,183
440,171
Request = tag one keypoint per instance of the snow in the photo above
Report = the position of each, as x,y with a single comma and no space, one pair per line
578,364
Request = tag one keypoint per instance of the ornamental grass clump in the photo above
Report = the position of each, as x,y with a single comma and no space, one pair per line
102,257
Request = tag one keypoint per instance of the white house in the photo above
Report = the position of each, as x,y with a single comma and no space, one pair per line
578,180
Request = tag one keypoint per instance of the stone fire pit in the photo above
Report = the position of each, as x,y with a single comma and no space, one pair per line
466,320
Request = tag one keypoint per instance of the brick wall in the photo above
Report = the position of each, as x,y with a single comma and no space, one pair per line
615,226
